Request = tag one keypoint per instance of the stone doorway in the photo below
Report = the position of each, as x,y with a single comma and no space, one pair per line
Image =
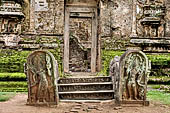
80,39
80,44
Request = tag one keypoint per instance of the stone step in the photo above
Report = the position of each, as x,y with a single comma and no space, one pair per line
84,80
84,92
87,95
75,84
85,86
92,101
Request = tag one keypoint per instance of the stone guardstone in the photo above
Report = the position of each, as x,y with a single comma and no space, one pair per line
42,75
134,70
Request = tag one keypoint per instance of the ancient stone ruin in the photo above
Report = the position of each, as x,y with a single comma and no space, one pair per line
84,27
131,74
150,27
79,29
127,83
42,75
45,86
10,19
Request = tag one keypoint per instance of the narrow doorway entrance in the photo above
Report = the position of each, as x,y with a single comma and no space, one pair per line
80,39
80,44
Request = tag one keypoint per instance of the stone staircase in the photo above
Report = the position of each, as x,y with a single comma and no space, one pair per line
89,88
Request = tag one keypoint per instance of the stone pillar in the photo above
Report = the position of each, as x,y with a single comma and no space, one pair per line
167,31
32,16
94,43
134,34
66,42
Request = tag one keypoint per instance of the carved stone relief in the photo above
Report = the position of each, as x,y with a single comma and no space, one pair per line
42,74
150,18
11,17
133,76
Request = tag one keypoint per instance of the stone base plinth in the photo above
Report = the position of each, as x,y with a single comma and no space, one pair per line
133,102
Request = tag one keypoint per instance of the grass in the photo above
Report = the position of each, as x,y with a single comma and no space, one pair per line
13,89
159,59
162,97
5,96
13,84
12,77
159,80
157,86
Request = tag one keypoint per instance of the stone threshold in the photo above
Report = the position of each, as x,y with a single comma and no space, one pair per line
81,75
164,41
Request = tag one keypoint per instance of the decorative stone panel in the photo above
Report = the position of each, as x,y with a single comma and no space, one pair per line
47,16
11,17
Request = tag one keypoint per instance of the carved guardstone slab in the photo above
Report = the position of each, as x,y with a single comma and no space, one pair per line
42,75
133,75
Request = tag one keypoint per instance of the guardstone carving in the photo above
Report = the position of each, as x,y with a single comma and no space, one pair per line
133,75
42,75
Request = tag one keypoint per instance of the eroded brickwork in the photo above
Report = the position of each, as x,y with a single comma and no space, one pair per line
115,22
86,26
116,17
47,16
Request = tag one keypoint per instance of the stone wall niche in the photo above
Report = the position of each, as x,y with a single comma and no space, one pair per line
132,78
42,75
11,17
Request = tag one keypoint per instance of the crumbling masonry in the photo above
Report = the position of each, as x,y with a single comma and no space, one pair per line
85,26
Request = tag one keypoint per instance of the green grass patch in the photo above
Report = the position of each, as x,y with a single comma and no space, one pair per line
159,59
13,89
159,62
12,77
12,60
159,80
4,96
13,84
155,86
159,96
